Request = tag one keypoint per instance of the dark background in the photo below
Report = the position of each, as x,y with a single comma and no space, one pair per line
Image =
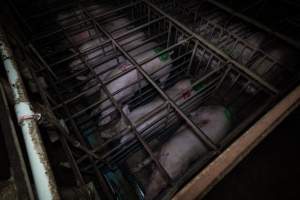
271,171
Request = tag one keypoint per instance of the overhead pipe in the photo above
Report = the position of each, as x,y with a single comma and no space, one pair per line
42,174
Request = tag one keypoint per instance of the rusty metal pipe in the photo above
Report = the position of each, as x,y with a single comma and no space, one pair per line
40,166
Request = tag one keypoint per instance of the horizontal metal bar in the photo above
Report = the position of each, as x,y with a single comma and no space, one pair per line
193,85
118,151
33,49
44,96
216,50
199,132
50,33
163,172
290,41
224,163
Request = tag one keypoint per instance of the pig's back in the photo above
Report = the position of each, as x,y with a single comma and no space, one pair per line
179,151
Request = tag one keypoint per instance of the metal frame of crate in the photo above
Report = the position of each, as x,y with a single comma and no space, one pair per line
221,75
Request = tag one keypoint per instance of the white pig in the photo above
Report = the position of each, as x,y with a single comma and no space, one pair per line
179,92
83,40
131,77
140,54
184,147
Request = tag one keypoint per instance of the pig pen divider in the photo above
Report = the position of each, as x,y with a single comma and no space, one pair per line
161,169
216,71
235,38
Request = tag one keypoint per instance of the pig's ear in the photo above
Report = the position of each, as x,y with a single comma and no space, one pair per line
81,78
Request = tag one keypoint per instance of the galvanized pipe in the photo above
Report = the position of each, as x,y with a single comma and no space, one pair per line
40,166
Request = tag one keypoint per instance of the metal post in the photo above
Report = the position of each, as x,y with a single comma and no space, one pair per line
40,166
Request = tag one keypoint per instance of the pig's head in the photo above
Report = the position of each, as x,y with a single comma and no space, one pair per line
209,113
214,121
182,89
185,88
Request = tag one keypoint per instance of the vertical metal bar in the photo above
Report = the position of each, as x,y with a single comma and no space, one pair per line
239,149
44,63
223,78
198,132
216,50
40,166
79,179
169,34
192,58
106,189
100,177
290,41
147,148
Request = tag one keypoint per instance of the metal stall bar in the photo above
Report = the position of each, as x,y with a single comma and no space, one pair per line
217,51
290,41
199,132
40,166
146,147
119,153
50,33
51,117
81,139
77,114
48,66
108,141
65,145
225,162
235,39
98,64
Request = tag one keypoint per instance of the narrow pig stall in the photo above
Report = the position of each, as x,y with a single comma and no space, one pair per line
270,55
134,104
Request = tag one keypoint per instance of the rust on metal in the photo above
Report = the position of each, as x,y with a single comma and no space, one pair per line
225,162
36,139
29,126
16,159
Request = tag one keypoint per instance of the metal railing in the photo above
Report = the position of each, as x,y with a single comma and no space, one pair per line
223,80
